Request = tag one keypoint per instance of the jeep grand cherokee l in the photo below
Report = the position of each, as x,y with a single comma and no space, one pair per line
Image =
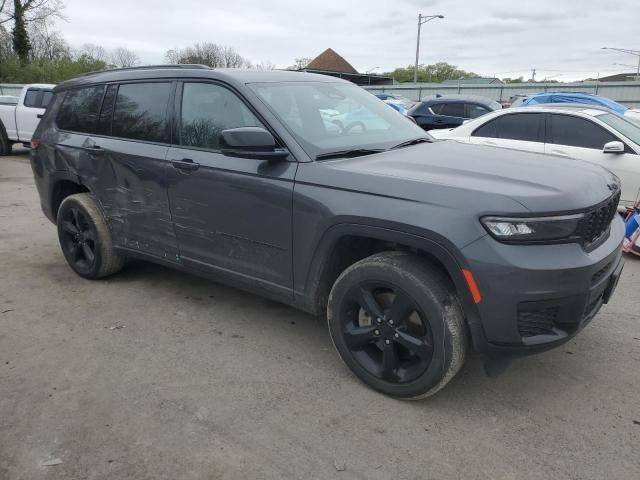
415,251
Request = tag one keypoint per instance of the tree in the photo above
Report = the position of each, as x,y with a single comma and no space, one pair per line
266,65
24,12
47,42
438,72
94,51
299,63
123,57
207,53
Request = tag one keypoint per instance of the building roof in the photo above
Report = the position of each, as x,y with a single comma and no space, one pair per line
331,61
473,81
619,77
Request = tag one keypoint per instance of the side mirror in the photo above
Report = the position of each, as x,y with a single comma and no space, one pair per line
613,147
251,142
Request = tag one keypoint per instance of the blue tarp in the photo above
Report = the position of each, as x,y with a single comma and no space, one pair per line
583,98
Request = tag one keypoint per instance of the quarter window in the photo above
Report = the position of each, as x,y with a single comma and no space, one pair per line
79,109
525,127
141,112
578,132
476,111
207,110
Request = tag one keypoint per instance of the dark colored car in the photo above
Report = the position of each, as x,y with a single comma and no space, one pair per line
450,111
415,251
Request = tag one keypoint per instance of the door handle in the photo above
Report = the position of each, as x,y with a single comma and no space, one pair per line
185,164
95,150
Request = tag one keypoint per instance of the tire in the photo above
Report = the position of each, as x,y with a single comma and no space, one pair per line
414,355
5,144
85,238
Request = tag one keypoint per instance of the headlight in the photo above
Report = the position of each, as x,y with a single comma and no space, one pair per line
538,229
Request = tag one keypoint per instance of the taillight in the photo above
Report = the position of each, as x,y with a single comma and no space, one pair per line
35,143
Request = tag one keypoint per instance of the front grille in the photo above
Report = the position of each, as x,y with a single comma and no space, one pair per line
537,322
596,221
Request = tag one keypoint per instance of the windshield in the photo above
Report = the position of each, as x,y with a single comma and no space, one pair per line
622,125
329,117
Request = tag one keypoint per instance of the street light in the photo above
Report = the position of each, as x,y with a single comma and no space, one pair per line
630,52
422,19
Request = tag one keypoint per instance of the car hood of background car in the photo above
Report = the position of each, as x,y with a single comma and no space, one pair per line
541,183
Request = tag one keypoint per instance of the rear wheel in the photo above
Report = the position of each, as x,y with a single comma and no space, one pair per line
85,238
396,322
5,144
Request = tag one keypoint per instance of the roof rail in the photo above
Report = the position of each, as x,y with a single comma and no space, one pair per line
151,67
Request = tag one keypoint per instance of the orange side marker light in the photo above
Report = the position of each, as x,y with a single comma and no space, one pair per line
473,286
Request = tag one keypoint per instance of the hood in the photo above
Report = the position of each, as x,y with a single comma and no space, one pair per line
538,182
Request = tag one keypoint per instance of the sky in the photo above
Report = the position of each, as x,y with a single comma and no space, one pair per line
561,39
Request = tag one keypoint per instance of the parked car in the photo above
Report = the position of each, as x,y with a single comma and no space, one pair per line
451,110
581,98
19,120
415,251
584,132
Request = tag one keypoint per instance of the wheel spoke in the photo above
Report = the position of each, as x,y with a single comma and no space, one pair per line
359,336
69,228
87,252
390,363
89,235
367,301
401,307
418,346
74,251
76,218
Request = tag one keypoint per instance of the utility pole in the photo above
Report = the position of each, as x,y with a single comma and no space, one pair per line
422,19
533,75
630,52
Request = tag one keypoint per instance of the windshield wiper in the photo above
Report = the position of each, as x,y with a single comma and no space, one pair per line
415,141
356,152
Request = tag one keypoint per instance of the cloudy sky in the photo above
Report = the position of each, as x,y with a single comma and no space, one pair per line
560,38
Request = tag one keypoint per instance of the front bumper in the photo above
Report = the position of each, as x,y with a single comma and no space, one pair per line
536,297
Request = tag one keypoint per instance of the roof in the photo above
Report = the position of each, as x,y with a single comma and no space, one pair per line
619,77
569,97
331,61
230,75
458,99
473,81
559,108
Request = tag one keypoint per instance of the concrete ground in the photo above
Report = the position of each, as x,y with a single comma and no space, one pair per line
154,374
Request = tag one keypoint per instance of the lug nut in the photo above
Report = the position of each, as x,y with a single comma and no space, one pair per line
390,322
376,332
387,341
378,320
396,335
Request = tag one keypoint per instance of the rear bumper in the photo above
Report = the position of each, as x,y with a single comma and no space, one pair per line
535,298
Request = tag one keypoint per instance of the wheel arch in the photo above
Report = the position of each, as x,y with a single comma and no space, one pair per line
61,189
337,251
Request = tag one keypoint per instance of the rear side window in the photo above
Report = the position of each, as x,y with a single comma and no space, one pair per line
31,98
452,110
47,95
141,112
476,111
80,108
526,127
578,132
207,110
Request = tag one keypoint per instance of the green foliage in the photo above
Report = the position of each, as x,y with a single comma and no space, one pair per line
438,72
44,70
21,43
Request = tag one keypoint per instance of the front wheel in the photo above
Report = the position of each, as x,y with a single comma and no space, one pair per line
396,322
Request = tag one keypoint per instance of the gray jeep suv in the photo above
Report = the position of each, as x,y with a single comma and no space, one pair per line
309,190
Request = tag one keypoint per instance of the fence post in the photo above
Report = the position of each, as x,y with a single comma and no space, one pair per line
419,94
597,84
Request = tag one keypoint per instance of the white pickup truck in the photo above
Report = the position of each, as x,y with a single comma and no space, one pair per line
20,116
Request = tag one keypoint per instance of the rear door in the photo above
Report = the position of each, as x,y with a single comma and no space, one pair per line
577,137
522,131
450,114
232,215
120,155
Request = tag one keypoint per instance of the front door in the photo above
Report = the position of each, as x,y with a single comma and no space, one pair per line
232,216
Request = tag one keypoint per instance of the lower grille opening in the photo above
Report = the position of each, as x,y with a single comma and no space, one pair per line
537,322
